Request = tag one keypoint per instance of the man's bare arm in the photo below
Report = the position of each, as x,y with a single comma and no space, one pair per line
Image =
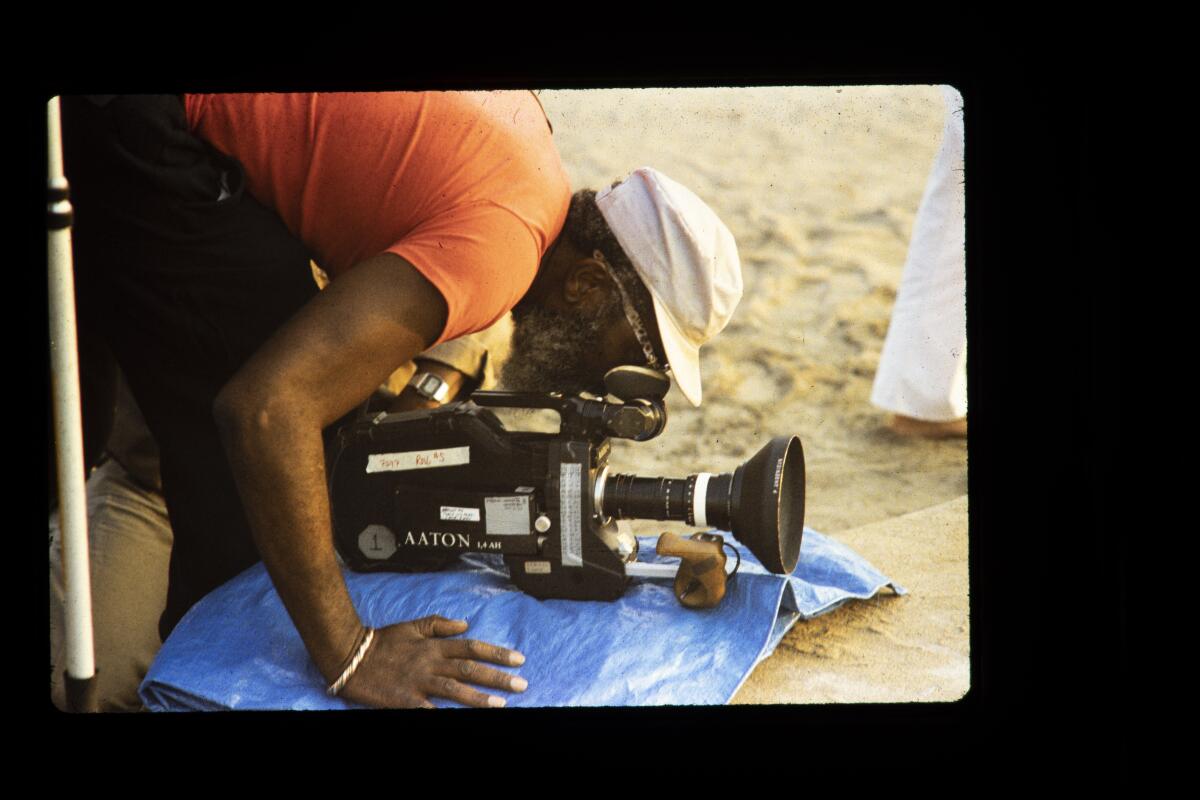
321,364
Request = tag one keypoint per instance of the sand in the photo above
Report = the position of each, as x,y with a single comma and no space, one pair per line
820,187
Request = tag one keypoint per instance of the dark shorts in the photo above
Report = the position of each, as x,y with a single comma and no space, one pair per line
181,287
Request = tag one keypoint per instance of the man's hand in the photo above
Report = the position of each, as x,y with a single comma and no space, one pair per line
410,662
409,400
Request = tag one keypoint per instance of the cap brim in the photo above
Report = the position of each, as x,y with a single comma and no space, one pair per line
682,356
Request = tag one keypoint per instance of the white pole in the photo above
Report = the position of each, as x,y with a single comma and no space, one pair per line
68,423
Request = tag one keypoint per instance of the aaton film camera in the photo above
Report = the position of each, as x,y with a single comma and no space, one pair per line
412,491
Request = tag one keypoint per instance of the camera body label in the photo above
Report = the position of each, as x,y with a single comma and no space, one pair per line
418,459
457,514
507,516
569,502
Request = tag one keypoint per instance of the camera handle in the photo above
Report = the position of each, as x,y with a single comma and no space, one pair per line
638,418
700,582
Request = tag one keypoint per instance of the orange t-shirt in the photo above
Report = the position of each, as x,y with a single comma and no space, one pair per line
466,186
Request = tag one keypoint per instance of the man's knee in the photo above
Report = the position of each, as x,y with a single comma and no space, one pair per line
129,550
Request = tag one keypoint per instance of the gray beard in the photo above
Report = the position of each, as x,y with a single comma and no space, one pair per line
554,351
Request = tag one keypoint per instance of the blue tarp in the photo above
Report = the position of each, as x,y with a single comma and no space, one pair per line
238,649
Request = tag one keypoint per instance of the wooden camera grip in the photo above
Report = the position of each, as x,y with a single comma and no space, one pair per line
700,582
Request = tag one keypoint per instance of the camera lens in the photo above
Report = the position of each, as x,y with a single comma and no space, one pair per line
678,499
761,502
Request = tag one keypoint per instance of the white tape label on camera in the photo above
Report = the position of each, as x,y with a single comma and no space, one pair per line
456,514
418,459
507,516
569,476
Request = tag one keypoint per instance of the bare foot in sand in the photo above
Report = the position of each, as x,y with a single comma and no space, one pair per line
910,426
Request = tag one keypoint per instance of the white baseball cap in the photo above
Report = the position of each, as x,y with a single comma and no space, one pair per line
686,257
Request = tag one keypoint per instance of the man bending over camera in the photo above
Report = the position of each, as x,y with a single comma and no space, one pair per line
434,214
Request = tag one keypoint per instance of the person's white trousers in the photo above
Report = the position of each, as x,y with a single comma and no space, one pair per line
923,367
